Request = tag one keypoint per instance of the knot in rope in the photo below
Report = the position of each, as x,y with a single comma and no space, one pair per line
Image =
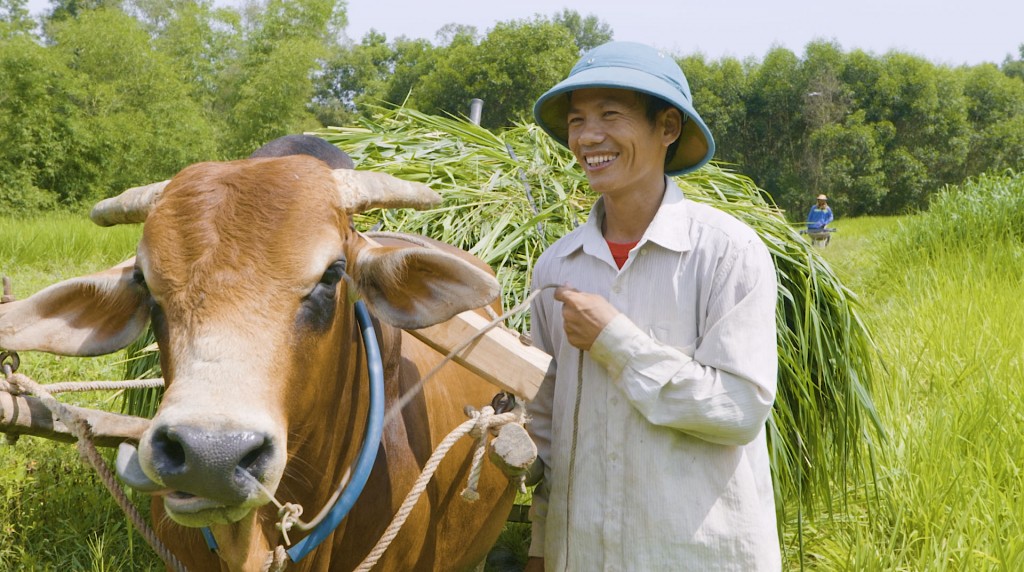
289,514
485,421
11,382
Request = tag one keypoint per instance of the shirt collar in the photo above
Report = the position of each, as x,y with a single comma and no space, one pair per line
669,228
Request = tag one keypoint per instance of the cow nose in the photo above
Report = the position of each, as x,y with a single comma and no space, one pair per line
206,463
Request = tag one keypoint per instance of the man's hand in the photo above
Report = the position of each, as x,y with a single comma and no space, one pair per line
584,315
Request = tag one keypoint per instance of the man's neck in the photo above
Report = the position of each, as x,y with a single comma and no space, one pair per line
626,217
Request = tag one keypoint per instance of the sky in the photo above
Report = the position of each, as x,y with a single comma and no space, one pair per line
942,31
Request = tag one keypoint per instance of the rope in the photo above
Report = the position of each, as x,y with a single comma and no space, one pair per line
397,407
277,560
81,430
479,425
72,386
572,454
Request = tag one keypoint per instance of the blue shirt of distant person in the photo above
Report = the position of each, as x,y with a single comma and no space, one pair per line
820,214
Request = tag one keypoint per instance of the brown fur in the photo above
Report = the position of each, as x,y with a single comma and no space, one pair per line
228,247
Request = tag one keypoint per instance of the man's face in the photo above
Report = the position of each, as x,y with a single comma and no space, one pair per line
617,146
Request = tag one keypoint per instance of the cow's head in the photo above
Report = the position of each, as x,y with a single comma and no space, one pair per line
247,270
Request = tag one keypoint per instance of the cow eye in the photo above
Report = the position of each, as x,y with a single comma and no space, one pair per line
328,285
334,273
318,307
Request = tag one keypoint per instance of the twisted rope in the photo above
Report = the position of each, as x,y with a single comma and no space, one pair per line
277,561
83,433
479,425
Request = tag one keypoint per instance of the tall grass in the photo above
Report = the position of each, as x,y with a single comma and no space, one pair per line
945,306
54,513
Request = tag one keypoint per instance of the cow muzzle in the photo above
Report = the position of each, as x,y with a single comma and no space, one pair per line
208,476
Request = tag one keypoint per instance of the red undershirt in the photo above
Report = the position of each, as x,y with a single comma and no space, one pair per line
620,251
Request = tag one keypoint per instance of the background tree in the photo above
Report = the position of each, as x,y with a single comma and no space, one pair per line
1015,67
132,118
15,18
502,70
995,112
588,31
285,43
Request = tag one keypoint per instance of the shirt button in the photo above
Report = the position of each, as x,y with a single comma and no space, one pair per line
614,401
613,456
617,289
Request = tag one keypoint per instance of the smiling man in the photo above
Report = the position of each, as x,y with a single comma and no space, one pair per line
651,424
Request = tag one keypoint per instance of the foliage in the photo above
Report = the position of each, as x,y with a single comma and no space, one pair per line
950,481
588,32
508,197
500,70
181,81
54,512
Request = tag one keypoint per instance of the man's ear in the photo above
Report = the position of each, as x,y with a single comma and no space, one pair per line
670,125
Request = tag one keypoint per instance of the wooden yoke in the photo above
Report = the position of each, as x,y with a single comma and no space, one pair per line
498,356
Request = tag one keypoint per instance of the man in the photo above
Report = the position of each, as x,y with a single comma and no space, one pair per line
820,215
651,424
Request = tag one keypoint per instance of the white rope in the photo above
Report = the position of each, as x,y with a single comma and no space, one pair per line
81,430
479,426
277,560
73,386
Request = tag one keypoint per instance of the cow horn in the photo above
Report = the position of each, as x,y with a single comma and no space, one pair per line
364,190
129,207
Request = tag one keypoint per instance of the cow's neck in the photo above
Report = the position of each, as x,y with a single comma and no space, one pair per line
242,546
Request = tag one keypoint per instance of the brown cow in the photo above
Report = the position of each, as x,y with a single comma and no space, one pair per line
248,270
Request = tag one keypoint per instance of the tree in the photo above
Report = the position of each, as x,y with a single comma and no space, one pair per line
285,45
203,42
132,117
502,69
588,32
1015,67
995,111
15,18
720,90
36,124
773,135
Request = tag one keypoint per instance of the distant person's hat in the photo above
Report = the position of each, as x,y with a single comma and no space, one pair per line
636,67
822,198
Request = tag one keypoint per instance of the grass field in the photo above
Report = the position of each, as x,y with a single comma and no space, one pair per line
944,308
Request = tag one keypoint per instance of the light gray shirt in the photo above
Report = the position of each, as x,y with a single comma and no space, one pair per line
670,469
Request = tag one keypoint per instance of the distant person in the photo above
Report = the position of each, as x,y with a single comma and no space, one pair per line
818,219
651,425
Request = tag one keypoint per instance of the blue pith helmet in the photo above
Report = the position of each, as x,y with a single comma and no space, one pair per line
636,67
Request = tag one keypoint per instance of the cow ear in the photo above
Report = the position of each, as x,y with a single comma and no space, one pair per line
418,287
86,316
